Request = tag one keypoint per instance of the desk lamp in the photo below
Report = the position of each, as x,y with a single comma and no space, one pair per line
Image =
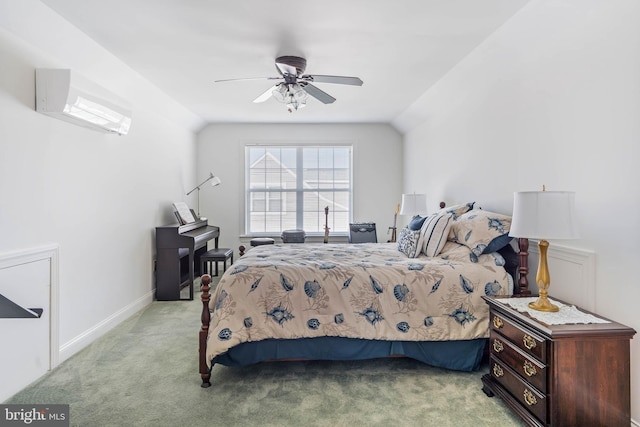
214,181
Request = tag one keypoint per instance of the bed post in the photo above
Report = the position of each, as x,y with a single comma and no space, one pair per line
205,318
523,267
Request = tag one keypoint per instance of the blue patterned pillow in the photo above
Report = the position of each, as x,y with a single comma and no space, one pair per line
481,231
409,242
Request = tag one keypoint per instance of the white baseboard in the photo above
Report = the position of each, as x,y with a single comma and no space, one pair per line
76,344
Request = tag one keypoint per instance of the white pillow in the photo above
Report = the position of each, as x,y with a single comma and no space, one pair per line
434,232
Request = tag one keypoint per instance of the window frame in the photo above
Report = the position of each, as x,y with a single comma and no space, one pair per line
299,188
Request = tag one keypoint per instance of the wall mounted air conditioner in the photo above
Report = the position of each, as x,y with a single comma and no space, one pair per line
66,95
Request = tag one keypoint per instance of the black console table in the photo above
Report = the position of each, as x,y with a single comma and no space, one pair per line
178,250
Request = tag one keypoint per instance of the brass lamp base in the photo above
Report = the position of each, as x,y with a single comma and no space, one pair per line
543,304
542,279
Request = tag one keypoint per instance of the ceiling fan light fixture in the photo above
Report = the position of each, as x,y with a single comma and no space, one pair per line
291,94
298,92
281,93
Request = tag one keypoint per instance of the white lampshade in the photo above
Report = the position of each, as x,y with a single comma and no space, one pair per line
544,215
215,181
413,204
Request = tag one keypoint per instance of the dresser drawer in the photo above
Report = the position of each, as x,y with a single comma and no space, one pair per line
522,338
530,398
527,367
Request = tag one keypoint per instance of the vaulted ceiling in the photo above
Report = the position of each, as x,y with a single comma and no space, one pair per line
398,48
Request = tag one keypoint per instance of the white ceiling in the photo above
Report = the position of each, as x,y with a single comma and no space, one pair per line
398,48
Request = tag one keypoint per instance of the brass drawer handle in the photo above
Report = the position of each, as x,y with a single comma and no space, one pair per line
529,398
528,342
529,369
497,370
497,346
497,322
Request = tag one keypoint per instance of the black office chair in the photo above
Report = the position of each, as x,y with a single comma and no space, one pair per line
364,232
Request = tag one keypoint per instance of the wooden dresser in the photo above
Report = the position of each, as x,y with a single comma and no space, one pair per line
559,375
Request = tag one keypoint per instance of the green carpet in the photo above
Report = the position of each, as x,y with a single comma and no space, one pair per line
145,373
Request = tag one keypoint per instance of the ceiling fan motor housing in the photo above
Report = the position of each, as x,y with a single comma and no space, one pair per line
300,64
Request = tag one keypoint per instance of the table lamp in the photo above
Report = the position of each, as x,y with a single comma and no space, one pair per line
413,204
543,215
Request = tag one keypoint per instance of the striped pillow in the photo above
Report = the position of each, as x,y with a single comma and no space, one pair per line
434,232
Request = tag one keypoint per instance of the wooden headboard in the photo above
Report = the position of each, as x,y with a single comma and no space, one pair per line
522,285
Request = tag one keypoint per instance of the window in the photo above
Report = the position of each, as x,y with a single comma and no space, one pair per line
288,187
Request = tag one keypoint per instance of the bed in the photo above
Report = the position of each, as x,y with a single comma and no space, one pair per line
419,297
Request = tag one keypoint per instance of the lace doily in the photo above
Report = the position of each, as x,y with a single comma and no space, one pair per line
568,314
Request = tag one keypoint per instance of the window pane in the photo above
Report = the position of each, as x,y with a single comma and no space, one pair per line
258,202
325,158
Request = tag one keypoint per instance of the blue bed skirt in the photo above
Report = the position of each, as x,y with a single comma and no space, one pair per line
463,355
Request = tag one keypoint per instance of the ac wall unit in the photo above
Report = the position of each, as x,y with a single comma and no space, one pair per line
64,94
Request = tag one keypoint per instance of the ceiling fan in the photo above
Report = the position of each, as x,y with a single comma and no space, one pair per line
295,86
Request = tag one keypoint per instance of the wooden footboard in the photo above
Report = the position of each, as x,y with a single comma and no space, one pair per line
205,318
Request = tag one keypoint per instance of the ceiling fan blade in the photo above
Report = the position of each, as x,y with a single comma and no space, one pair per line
341,80
266,95
250,78
318,94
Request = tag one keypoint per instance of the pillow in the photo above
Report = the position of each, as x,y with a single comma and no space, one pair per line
416,222
434,232
481,231
512,261
408,242
453,251
457,210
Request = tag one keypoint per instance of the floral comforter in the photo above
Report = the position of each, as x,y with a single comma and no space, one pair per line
370,291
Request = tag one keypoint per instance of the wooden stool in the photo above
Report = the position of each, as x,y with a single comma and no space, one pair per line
215,255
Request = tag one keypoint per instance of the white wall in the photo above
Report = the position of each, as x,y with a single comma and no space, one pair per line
553,97
377,170
98,196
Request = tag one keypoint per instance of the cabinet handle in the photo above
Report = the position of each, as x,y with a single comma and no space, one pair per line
529,398
497,370
529,369
497,346
497,322
528,342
